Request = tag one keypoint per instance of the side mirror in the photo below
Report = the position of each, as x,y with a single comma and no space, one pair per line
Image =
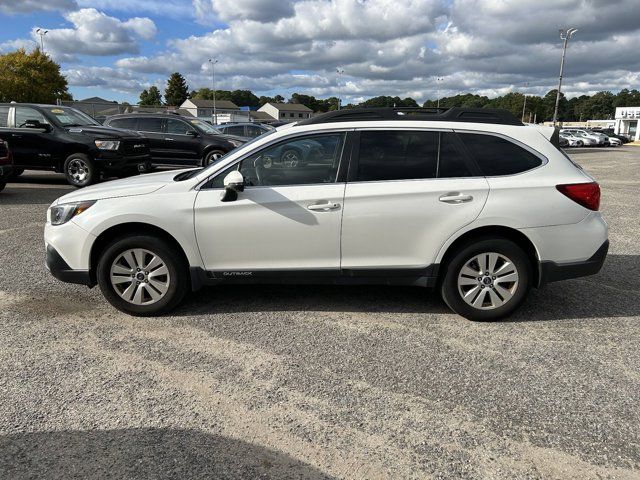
233,184
36,124
192,133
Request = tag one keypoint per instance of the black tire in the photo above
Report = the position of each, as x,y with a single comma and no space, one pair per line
452,293
2,185
80,170
177,278
16,173
212,156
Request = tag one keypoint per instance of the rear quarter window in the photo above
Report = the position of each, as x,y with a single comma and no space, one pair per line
498,156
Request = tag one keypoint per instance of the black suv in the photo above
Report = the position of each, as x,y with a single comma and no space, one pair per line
178,140
63,139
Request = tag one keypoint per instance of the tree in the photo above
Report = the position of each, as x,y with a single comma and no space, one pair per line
385,101
177,90
151,97
31,77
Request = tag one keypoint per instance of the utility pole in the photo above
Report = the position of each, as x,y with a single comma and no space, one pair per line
524,107
213,62
42,33
564,35
340,72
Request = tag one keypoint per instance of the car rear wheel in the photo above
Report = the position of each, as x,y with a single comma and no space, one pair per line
80,170
487,279
212,157
142,275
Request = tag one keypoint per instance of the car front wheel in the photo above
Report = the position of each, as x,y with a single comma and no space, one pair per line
487,279
142,275
80,170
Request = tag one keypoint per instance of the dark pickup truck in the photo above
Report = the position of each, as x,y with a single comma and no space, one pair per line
63,139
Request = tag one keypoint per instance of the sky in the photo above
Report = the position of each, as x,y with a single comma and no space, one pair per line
417,48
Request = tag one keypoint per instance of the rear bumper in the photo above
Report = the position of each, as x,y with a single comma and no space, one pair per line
554,272
61,270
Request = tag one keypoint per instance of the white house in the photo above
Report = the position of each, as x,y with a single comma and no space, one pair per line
286,112
225,110
627,122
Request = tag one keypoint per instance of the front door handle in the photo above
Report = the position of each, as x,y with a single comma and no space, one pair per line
324,207
15,135
455,197
171,139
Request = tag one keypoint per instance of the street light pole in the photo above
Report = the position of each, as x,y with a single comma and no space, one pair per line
564,35
42,33
438,80
340,72
213,62
524,107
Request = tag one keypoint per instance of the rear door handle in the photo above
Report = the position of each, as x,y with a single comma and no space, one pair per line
15,135
455,198
169,139
324,207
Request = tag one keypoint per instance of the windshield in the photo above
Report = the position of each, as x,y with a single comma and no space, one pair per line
241,149
70,117
204,127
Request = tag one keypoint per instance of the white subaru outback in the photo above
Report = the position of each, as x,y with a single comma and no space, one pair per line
468,201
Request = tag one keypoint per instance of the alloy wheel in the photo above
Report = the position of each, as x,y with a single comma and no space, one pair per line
488,281
140,276
290,159
78,170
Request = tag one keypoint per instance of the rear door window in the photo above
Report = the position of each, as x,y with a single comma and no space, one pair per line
498,156
409,155
236,130
153,125
125,123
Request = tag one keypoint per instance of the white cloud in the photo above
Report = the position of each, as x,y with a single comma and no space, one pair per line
208,11
95,33
111,78
27,6
386,47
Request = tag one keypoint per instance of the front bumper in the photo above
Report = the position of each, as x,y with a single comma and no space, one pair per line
61,270
554,272
117,161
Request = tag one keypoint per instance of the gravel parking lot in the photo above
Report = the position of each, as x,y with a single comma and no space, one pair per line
320,382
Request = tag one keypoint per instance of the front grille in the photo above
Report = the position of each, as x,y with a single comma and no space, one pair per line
134,148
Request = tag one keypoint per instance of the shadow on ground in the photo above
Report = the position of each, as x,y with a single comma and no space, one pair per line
614,292
159,453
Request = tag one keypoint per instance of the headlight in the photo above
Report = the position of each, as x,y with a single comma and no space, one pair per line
235,143
107,144
63,213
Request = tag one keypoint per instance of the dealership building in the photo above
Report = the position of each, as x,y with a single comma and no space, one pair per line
627,122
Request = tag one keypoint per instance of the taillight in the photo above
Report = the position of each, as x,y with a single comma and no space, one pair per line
585,194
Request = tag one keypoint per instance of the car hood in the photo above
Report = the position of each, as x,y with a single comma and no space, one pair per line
126,187
100,131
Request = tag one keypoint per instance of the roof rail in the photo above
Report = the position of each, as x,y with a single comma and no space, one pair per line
453,114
